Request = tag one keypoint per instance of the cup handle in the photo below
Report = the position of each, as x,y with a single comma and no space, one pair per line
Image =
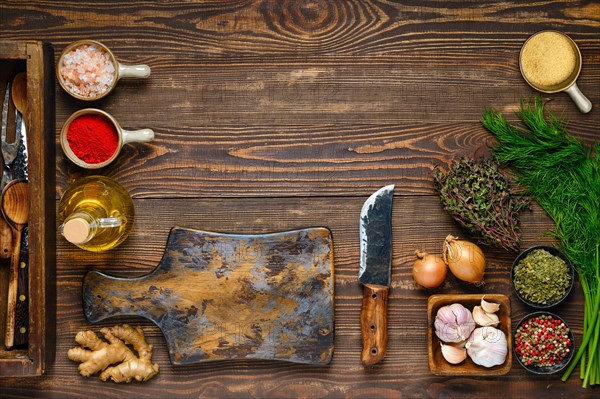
142,135
579,99
133,71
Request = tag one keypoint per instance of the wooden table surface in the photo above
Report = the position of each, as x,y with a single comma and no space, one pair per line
279,115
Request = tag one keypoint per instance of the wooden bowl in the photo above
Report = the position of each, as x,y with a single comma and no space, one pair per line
437,364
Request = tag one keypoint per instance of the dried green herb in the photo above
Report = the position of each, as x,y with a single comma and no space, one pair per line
541,277
563,175
477,195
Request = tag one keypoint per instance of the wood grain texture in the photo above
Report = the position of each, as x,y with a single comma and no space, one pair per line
437,364
279,115
314,160
37,59
219,296
22,308
373,323
306,97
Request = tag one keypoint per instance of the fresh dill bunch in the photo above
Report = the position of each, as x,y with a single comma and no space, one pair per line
477,195
562,174
559,172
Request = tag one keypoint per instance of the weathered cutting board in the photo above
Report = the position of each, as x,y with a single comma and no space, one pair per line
221,296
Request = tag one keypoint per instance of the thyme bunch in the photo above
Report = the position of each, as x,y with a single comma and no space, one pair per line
563,175
477,195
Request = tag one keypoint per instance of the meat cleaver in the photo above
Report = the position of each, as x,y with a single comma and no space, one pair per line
374,273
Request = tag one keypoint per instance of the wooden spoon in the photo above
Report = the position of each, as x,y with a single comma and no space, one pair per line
18,92
15,208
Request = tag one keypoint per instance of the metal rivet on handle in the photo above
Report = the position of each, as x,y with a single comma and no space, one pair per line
22,298
23,265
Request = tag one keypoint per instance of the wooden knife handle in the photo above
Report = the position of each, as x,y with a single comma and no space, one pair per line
22,308
13,284
373,320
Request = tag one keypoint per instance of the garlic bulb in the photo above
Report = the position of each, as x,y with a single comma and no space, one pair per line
489,307
453,323
483,318
487,346
452,354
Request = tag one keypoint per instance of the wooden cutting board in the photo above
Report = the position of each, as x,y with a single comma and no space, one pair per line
222,296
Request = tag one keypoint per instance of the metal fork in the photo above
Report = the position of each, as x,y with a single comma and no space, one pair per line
9,150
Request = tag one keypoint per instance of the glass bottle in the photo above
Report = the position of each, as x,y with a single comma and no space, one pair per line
95,213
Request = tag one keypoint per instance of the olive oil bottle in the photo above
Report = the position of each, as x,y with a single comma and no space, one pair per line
95,213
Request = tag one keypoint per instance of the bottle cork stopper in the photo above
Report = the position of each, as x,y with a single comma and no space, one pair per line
76,230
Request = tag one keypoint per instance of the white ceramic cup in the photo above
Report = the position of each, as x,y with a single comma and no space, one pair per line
567,85
121,70
125,136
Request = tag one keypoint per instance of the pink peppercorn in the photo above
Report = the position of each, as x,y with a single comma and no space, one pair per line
542,341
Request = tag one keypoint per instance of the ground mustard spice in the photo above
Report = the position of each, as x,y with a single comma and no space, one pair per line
541,277
548,59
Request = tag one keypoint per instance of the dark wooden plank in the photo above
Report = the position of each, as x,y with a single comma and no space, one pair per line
297,27
203,93
221,63
292,161
257,100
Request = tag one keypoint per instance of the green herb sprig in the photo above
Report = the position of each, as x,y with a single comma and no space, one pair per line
477,195
563,175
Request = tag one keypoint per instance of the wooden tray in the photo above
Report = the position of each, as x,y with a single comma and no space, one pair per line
437,364
223,296
37,60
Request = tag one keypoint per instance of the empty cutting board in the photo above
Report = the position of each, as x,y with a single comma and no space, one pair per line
223,296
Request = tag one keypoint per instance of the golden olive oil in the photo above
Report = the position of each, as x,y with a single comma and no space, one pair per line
96,213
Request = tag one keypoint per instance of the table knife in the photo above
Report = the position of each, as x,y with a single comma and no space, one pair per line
5,231
375,271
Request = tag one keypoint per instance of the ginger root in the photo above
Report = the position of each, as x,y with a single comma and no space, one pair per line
102,354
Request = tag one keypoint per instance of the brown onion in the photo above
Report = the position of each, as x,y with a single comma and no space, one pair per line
429,270
465,259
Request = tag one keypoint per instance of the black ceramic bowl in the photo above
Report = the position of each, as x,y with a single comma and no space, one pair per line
555,252
545,369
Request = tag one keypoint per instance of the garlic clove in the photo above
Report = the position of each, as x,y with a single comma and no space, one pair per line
453,355
489,307
483,318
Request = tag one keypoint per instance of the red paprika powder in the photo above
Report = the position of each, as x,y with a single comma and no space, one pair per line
92,138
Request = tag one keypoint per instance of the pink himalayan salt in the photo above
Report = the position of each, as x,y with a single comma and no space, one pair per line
87,71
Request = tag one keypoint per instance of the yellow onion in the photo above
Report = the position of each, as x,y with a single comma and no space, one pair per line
465,259
429,271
